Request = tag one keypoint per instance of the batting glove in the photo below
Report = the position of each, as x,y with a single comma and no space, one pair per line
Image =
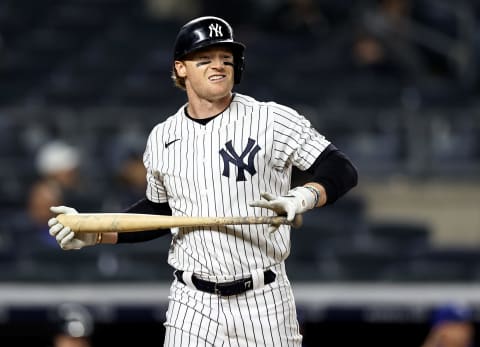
66,238
297,201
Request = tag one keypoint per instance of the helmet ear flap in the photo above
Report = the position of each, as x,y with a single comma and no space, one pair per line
238,68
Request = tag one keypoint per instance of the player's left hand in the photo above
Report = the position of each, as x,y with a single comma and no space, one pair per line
296,201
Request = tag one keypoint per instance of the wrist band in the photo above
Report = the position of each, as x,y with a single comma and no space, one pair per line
315,192
99,238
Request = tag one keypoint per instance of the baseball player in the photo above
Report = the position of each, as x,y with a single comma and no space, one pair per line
227,154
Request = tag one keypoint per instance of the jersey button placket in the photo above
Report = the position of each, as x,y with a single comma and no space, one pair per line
202,162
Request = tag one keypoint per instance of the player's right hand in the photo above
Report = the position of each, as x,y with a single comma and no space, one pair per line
66,238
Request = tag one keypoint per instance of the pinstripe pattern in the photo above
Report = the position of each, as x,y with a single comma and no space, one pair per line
197,179
262,317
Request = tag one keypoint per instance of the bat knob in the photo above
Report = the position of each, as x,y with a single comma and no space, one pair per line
297,221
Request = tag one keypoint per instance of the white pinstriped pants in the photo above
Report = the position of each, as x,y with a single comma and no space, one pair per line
260,317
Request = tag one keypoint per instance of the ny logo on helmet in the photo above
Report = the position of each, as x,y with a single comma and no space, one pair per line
237,160
216,29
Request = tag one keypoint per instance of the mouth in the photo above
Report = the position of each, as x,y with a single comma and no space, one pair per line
217,77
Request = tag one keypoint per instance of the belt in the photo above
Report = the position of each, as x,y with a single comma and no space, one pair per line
226,288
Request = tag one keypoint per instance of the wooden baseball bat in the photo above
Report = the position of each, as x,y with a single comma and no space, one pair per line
130,222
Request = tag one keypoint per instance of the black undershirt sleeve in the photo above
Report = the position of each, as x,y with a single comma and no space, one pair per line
148,207
335,172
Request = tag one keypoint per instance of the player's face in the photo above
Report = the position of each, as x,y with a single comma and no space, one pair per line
208,73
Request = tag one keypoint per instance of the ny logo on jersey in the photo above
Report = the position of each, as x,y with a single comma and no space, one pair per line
230,156
215,29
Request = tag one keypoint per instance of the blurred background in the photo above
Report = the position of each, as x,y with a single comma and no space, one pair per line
393,83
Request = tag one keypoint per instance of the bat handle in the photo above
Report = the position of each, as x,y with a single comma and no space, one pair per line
297,221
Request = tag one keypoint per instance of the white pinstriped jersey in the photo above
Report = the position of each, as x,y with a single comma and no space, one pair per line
216,170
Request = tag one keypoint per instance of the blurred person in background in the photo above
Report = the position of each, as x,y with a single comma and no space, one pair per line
72,326
406,37
296,17
451,326
59,162
124,159
381,40
131,178
129,182
64,340
58,182
41,196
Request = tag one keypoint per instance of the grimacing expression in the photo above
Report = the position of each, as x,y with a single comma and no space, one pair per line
208,72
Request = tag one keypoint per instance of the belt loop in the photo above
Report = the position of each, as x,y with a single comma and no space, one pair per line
187,278
258,278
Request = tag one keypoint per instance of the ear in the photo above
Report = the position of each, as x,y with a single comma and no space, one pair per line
180,68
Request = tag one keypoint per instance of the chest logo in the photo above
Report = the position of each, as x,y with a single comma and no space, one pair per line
167,144
231,157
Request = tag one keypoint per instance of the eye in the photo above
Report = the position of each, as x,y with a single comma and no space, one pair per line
201,62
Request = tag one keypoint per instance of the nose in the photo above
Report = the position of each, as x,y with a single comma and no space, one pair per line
217,63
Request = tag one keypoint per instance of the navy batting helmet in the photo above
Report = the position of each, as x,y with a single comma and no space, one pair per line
208,31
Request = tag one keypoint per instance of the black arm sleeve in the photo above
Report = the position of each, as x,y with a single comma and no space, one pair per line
148,207
335,172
